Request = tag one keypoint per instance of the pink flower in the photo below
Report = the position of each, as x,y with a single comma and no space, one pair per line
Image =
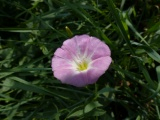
81,60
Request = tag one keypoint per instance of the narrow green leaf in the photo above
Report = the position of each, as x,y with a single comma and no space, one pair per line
158,72
19,30
119,23
10,71
153,54
135,31
6,97
157,110
24,85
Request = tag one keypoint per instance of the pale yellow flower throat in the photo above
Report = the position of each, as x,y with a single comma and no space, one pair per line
82,66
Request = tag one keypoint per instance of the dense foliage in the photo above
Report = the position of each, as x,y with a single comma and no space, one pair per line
30,32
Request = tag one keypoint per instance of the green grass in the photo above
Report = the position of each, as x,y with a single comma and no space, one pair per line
30,32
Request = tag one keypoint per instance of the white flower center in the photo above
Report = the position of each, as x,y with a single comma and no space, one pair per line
81,63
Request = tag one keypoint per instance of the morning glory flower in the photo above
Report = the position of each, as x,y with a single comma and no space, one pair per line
81,60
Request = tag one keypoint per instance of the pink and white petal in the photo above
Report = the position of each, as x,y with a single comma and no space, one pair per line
78,80
93,44
93,75
59,63
64,75
101,63
70,45
63,54
82,42
68,76
101,51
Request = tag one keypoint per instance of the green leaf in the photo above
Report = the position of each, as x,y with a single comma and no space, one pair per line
98,112
152,53
91,106
24,85
106,89
158,72
44,50
76,114
7,84
138,118
88,108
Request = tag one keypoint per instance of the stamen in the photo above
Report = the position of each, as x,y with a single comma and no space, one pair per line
82,66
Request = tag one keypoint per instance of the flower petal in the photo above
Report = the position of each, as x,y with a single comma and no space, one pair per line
76,50
63,54
101,63
93,75
82,43
101,50
79,80
77,45
93,43
64,75
59,63
70,45
68,76
98,68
